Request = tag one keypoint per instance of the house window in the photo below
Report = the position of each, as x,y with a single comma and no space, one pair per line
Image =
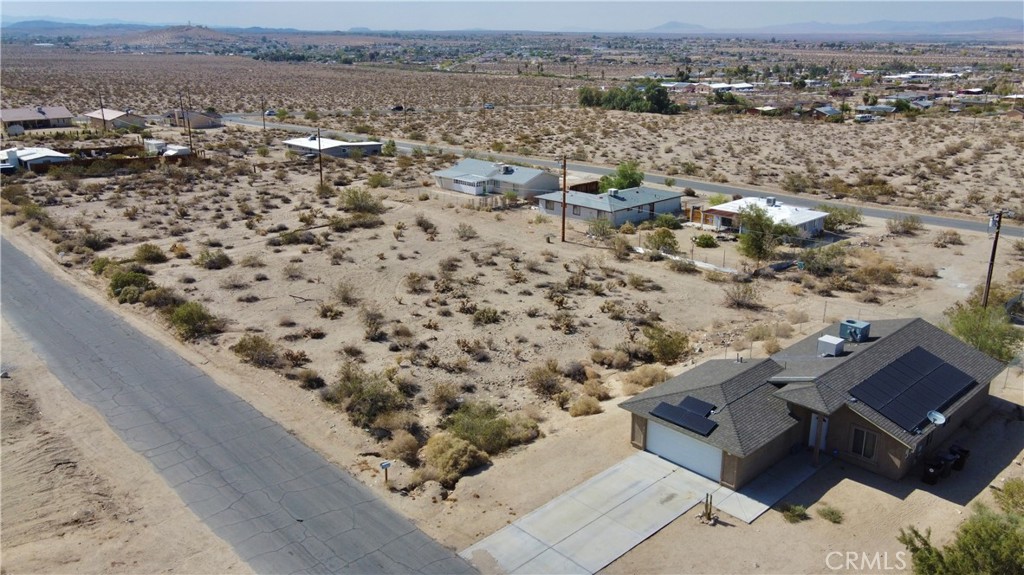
575,210
549,205
864,443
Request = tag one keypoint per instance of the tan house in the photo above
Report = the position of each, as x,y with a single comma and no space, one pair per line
881,395
192,119
107,119
17,120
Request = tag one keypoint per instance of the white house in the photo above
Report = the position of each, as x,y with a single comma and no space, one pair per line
107,119
809,222
14,158
329,147
617,206
479,177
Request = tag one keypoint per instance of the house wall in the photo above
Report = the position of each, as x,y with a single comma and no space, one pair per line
451,185
635,215
638,432
738,471
555,210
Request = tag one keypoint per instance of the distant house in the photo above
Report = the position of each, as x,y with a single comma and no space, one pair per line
726,216
826,112
107,119
17,120
192,119
12,159
333,148
883,396
922,105
479,177
617,206
878,110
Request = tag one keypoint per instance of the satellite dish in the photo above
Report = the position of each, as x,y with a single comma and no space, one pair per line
936,418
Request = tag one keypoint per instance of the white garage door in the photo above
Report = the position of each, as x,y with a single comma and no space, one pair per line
684,450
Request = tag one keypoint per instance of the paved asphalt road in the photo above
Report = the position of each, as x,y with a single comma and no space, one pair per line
281,506
938,221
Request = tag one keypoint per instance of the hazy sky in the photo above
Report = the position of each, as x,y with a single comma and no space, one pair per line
508,15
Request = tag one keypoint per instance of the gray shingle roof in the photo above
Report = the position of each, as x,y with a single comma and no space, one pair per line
630,198
752,397
40,113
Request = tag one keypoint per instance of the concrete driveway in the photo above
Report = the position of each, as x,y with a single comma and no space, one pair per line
595,523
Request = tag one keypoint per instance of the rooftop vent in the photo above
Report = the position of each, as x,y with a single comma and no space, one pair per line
613,191
506,169
854,330
830,345
40,110
770,200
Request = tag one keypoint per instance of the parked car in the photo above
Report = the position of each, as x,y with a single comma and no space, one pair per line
397,108
270,113
488,106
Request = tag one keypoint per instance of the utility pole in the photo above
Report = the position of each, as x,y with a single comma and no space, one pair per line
188,125
263,112
320,157
563,197
103,114
998,220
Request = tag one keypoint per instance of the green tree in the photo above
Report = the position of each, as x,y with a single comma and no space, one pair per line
312,116
627,175
986,328
988,542
389,149
841,217
718,199
760,235
662,239
282,115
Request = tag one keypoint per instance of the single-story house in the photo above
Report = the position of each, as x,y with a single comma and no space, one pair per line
13,158
881,395
809,222
107,119
333,148
192,119
877,109
480,177
17,120
617,206
826,112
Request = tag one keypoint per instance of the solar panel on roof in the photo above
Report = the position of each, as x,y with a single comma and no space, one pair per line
700,407
914,384
684,418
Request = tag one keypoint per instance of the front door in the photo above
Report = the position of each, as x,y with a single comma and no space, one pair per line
815,417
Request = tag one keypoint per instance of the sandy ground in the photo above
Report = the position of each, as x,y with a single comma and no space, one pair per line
510,265
76,499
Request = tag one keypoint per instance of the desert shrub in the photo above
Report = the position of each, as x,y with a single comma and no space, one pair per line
904,225
425,224
662,240
706,240
345,293
364,396
772,345
826,261
830,514
213,260
465,231
947,238
191,320
600,229
574,371
614,358
667,221
923,270
483,425
378,180
150,254
310,379
544,380
742,296
361,201
594,388
98,265
404,447
373,323
585,405
252,261
448,457
646,376
1011,497
667,346
444,396
122,280
627,228
257,350
161,298
794,513
681,266
876,271
486,315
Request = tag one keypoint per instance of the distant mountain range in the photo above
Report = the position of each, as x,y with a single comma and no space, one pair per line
991,28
